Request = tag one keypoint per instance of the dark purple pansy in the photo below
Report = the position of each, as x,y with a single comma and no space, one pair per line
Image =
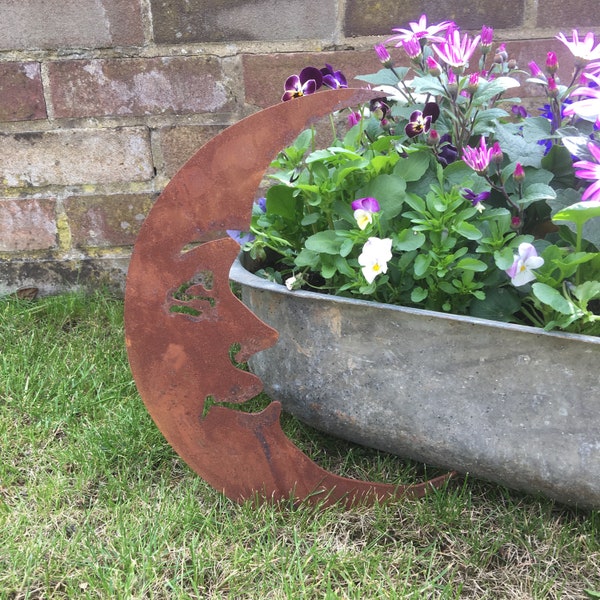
379,109
447,153
307,82
333,79
420,122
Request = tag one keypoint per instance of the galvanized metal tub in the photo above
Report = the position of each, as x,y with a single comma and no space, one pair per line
508,403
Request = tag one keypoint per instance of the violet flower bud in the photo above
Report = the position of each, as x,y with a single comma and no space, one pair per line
519,173
433,67
496,156
384,56
551,63
553,91
487,37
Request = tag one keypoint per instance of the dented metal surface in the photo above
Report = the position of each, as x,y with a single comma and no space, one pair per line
182,320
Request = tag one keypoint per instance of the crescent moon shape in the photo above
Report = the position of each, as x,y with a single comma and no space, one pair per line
182,320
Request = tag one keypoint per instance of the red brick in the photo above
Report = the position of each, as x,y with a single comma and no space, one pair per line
21,92
561,15
378,17
178,144
101,221
83,88
536,50
184,21
27,224
75,156
265,74
33,24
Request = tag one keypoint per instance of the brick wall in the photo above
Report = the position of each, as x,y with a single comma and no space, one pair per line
101,101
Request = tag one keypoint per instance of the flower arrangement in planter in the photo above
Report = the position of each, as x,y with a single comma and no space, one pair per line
447,193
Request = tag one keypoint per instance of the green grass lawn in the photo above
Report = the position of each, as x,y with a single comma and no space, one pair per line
95,504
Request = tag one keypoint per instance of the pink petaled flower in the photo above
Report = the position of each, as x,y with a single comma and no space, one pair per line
582,50
473,83
478,158
487,37
589,108
456,52
593,68
412,47
354,118
383,55
420,29
586,169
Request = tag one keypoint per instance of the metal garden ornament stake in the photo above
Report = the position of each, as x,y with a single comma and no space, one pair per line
182,320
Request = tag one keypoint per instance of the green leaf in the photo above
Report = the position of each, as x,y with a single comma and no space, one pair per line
413,167
426,84
559,162
422,263
504,258
553,298
578,213
281,201
486,120
418,295
467,230
536,192
471,264
519,149
588,290
389,191
307,258
409,240
325,242
486,90
310,219
346,247
567,198
536,129
384,76
341,264
499,304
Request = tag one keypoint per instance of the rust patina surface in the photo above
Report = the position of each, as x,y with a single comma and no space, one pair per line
182,320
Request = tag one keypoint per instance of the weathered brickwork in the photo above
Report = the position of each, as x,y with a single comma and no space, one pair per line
183,21
377,17
39,24
27,224
21,92
102,101
152,86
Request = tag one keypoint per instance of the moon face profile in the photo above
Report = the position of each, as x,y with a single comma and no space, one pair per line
182,320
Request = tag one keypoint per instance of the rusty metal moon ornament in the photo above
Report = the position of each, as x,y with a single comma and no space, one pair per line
182,320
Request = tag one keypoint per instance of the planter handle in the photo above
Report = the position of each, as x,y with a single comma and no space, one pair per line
182,320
